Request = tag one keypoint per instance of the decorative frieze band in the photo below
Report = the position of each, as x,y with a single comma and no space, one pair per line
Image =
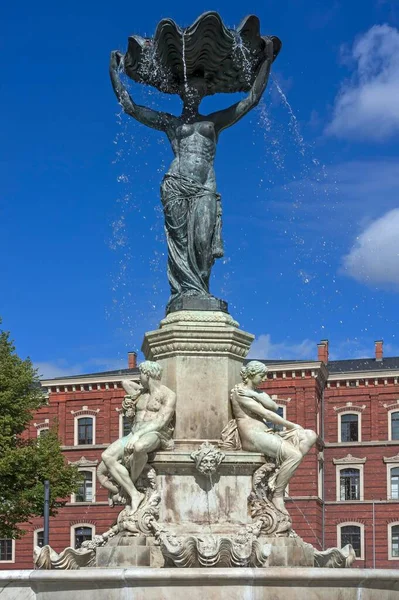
349,406
84,462
85,410
349,459
391,459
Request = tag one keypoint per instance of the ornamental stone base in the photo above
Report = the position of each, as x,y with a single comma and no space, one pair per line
201,353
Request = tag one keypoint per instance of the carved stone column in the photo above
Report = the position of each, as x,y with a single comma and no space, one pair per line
201,353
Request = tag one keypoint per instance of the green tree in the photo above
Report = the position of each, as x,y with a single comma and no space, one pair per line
26,463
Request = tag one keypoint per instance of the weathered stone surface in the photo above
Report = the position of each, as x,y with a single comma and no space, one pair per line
123,556
201,362
200,584
191,500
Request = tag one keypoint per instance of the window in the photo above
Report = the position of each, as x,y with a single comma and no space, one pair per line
320,475
6,550
38,538
274,426
126,425
394,483
351,534
42,432
393,540
349,484
85,430
85,489
82,533
394,425
349,428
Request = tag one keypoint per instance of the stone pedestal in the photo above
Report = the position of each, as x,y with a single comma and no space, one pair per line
193,502
201,353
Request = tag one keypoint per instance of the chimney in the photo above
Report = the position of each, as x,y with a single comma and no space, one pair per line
378,350
131,360
322,351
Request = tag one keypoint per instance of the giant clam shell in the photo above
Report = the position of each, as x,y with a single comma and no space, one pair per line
226,60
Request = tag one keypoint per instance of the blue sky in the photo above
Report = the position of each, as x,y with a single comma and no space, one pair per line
309,189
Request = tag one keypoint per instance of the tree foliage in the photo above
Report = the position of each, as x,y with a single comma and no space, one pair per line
26,463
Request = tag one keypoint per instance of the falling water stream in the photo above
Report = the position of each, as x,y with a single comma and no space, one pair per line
293,120
186,87
307,521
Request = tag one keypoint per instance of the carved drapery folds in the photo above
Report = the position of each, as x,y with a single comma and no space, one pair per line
272,521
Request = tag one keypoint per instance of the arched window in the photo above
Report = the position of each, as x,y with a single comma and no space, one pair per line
43,431
349,427
351,533
393,537
394,483
80,534
85,489
349,482
85,430
394,425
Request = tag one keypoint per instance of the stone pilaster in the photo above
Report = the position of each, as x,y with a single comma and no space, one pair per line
201,353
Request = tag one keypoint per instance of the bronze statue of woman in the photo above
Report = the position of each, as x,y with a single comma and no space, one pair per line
191,204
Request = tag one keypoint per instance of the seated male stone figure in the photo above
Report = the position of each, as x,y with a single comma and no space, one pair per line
154,406
251,409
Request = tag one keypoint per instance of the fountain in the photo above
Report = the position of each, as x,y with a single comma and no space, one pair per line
201,477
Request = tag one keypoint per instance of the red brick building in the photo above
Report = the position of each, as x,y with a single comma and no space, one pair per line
346,492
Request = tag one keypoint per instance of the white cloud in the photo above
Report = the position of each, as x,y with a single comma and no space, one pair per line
374,258
61,367
367,107
264,348
51,370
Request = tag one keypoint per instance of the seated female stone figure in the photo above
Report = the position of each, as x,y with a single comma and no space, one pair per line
251,409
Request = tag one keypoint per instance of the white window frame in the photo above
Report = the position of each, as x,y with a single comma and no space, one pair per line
36,531
320,474
39,431
393,410
76,526
356,524
8,562
390,466
121,415
359,425
75,429
93,486
390,525
343,467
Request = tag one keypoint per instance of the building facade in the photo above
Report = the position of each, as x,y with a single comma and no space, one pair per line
345,491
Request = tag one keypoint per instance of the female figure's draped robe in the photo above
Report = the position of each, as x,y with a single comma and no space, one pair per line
181,199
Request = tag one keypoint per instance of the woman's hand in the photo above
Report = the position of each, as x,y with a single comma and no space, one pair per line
246,392
116,60
129,448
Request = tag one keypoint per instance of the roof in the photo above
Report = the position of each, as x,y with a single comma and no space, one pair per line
363,364
129,372
359,365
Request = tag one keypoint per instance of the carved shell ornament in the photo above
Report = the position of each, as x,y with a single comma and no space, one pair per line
224,59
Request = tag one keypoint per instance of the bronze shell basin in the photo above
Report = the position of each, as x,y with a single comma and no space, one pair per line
226,60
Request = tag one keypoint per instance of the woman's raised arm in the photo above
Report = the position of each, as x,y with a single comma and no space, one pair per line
146,116
227,117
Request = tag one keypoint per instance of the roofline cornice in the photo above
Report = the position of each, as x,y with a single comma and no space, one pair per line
363,375
83,380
